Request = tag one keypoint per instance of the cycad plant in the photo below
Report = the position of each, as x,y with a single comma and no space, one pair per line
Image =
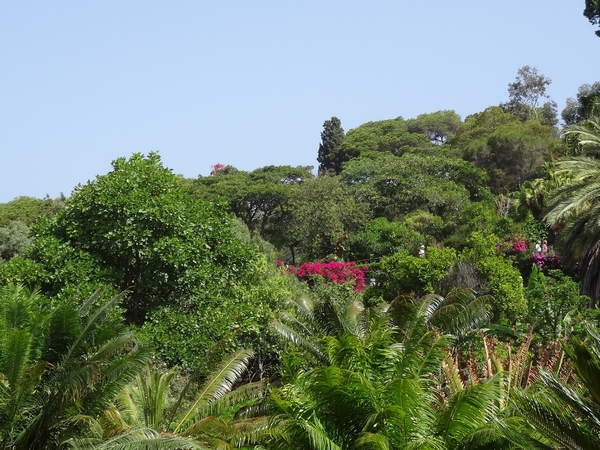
567,410
60,366
380,382
149,414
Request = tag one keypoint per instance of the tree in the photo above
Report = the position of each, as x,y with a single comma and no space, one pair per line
437,126
551,298
403,273
525,95
584,138
324,217
387,137
513,153
480,125
575,207
28,209
260,198
581,108
380,237
393,186
150,413
380,380
154,241
592,12
14,239
330,158
498,277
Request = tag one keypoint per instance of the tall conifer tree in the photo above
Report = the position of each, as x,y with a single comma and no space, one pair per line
330,158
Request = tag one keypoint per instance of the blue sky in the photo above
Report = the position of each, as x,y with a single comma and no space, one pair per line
250,83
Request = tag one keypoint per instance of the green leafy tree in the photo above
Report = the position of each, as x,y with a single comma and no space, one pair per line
330,156
324,218
574,207
479,216
514,153
55,267
480,125
592,12
551,300
386,136
149,413
583,138
375,385
568,412
151,239
497,276
526,94
28,209
393,186
182,333
581,108
403,273
533,196
438,127
380,237
259,198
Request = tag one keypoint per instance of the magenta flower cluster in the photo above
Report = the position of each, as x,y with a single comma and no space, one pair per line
332,272
520,245
546,260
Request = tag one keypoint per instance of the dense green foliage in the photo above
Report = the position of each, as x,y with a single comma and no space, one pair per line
259,198
328,285
28,209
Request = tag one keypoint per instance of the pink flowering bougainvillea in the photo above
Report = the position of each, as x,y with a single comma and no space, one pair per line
331,272
547,260
520,245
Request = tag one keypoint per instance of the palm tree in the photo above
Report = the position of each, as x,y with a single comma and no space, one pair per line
575,207
59,370
584,138
533,194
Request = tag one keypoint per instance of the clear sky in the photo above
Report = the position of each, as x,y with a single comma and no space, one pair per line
249,83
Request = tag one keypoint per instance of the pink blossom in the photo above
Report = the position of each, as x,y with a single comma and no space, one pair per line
334,272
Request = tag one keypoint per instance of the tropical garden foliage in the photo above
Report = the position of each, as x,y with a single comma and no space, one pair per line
433,286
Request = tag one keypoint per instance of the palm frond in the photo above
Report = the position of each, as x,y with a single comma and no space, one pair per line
217,384
550,418
293,336
244,393
372,441
136,439
470,408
